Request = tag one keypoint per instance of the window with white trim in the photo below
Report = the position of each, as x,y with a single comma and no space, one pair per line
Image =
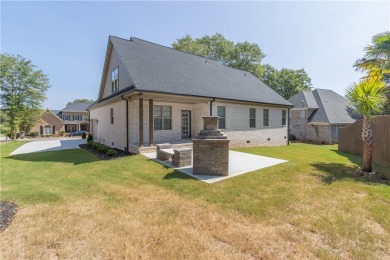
284,117
221,112
162,117
265,117
252,117
115,79
47,130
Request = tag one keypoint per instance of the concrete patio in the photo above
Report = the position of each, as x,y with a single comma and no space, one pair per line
239,163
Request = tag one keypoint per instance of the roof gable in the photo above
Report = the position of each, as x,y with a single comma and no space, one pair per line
329,106
76,107
157,68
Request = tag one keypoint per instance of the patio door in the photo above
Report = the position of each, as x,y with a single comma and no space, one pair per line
185,124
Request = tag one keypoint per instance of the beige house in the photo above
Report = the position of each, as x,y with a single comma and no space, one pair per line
48,124
154,94
317,115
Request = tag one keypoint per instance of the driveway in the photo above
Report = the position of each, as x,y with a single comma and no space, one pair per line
49,145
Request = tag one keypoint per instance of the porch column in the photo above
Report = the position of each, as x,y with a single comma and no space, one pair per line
150,122
141,122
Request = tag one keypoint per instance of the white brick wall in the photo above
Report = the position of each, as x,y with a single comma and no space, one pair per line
239,132
113,135
237,123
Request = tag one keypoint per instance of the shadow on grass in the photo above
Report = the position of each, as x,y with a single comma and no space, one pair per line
177,175
65,156
338,172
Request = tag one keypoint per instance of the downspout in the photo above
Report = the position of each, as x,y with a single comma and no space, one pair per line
288,126
89,119
211,106
127,122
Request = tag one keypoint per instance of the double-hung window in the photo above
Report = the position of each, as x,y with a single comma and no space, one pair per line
162,117
115,79
283,117
265,117
221,112
252,117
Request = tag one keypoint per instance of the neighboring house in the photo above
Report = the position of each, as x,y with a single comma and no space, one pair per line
154,94
318,114
75,117
48,124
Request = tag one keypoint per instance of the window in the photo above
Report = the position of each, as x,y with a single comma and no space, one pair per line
221,112
265,117
162,118
115,79
302,114
283,117
66,117
47,130
335,131
252,117
112,115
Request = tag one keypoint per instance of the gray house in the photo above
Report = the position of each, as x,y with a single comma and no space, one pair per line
317,115
152,94
75,117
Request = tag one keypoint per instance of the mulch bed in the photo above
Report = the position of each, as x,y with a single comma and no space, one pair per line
103,156
7,213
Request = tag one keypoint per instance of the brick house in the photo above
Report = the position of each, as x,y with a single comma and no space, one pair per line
75,117
48,124
154,94
317,115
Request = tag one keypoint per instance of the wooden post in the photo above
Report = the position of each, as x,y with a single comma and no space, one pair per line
150,122
141,122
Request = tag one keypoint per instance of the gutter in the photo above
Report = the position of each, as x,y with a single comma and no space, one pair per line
127,123
211,106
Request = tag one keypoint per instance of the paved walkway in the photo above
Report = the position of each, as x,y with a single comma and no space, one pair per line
49,145
239,163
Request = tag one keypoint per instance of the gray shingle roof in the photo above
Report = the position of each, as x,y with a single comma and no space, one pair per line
329,106
76,107
157,68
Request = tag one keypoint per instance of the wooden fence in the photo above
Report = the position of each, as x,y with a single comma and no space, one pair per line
350,139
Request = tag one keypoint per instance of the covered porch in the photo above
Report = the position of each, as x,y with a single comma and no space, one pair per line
161,118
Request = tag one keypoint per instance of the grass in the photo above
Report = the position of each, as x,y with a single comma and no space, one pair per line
72,205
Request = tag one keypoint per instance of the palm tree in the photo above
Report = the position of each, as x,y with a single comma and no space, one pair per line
376,62
368,98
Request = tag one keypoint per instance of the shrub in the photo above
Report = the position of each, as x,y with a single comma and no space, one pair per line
84,135
61,133
33,134
90,138
111,152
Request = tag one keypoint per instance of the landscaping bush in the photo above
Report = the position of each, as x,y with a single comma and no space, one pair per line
61,133
84,135
90,138
33,134
111,152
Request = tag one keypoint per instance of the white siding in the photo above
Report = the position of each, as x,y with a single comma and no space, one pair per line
124,77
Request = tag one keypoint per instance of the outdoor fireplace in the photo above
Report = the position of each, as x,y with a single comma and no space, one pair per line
211,149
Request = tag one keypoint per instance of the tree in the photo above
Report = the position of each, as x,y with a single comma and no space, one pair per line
242,55
81,100
376,62
23,90
286,82
246,56
368,98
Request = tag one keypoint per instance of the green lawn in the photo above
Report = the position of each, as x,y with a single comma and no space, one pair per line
312,202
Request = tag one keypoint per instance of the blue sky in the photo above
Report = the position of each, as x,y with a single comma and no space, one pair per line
68,40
